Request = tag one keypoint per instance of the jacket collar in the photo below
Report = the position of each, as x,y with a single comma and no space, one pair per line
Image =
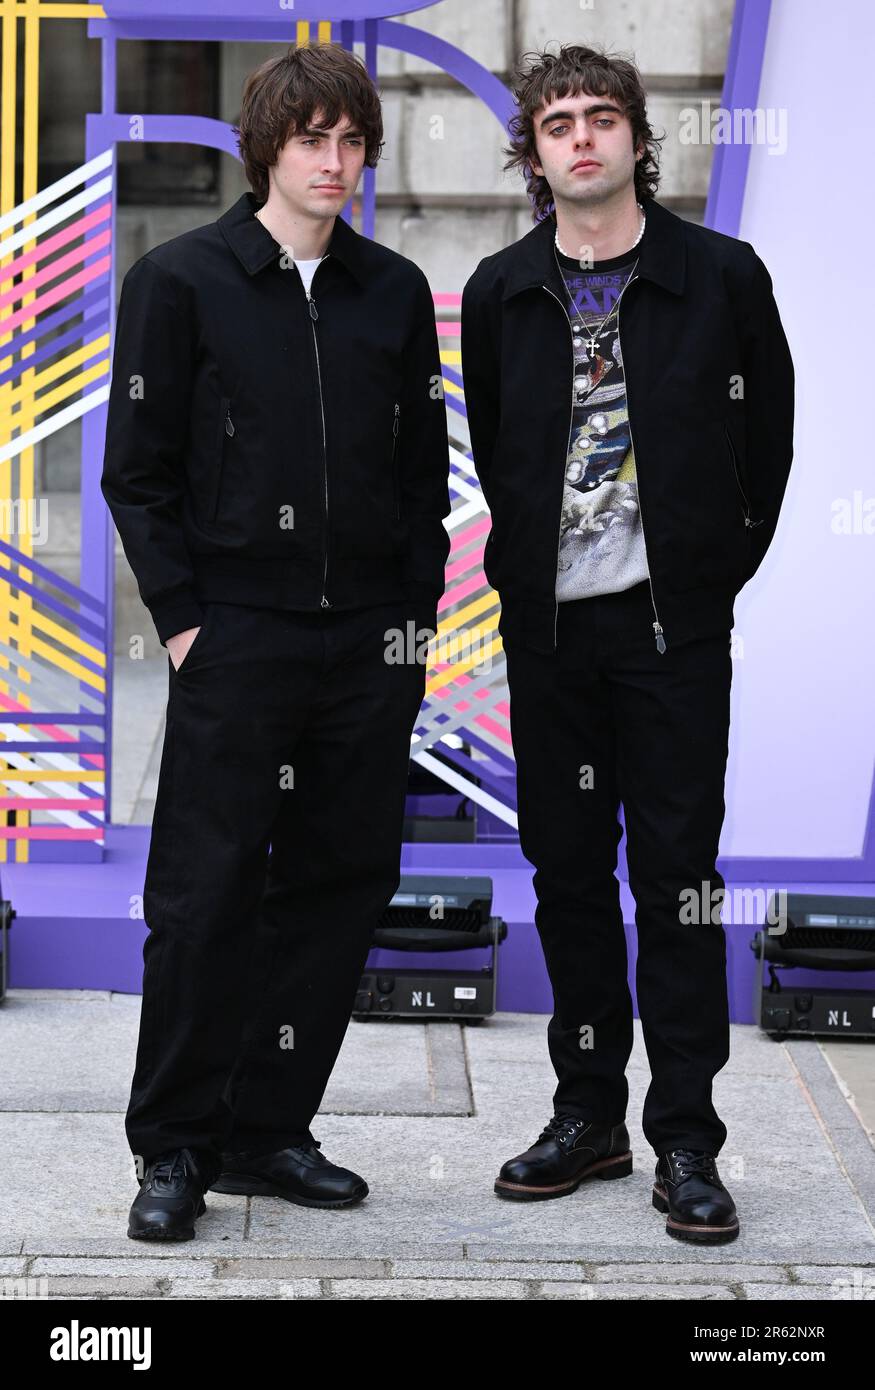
255,248
661,251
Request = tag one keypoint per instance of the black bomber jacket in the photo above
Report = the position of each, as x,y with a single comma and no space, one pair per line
269,447
710,394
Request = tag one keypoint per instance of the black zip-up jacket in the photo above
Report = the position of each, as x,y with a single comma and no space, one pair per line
710,393
269,447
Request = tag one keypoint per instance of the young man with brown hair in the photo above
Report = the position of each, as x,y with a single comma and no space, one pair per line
276,463
634,488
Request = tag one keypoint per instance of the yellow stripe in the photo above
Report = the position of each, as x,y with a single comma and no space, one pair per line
58,369
44,774
64,663
445,678
57,10
53,398
54,629
462,616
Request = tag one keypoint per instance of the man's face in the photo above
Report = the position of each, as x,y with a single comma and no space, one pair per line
584,149
318,168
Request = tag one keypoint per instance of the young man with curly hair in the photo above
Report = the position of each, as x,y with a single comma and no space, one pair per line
634,476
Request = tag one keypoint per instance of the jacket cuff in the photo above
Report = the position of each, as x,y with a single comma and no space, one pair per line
175,613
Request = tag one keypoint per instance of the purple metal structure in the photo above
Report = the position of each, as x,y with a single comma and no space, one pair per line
490,779
83,946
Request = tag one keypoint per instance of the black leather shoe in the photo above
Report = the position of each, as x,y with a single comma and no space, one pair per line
567,1151
688,1187
302,1175
171,1195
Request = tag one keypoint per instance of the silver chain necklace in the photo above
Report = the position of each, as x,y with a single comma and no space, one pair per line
590,344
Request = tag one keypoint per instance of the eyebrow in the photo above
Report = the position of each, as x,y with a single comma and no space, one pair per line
587,111
323,130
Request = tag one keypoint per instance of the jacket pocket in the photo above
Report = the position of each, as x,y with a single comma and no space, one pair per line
198,638
748,521
396,483
226,431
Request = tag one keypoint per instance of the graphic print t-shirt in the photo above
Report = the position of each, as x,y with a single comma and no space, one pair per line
601,544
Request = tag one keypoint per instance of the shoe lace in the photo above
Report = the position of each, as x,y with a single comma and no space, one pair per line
165,1168
561,1127
692,1162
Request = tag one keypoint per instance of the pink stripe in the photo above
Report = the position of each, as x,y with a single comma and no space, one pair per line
473,559
485,721
470,533
482,693
49,832
499,730
50,730
446,300
463,590
45,301
52,803
448,328
45,248
55,268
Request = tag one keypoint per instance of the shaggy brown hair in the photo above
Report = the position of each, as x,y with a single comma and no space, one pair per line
544,77
283,94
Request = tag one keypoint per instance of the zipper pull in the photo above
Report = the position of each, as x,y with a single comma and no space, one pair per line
324,603
311,301
395,421
229,424
660,640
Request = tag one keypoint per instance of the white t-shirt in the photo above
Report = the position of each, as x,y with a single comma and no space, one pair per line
307,269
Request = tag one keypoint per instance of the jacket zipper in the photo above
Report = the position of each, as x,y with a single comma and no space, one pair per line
394,452
564,465
228,429
657,626
313,317
745,503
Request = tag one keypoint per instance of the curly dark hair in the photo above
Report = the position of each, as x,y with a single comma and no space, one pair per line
540,78
282,95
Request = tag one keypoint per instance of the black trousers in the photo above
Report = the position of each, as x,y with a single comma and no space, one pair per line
605,720
276,844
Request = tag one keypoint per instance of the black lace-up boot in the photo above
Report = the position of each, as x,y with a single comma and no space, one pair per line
688,1187
567,1151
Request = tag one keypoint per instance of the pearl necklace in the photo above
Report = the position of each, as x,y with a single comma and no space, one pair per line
631,248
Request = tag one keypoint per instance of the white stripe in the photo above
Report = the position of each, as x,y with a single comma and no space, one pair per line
467,512
58,214
60,762
54,190
462,462
55,422
455,779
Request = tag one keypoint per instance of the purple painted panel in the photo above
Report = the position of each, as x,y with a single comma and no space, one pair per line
255,11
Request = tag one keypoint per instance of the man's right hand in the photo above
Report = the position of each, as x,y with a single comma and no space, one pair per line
178,646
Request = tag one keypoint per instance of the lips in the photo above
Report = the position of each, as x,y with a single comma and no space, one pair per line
585,164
